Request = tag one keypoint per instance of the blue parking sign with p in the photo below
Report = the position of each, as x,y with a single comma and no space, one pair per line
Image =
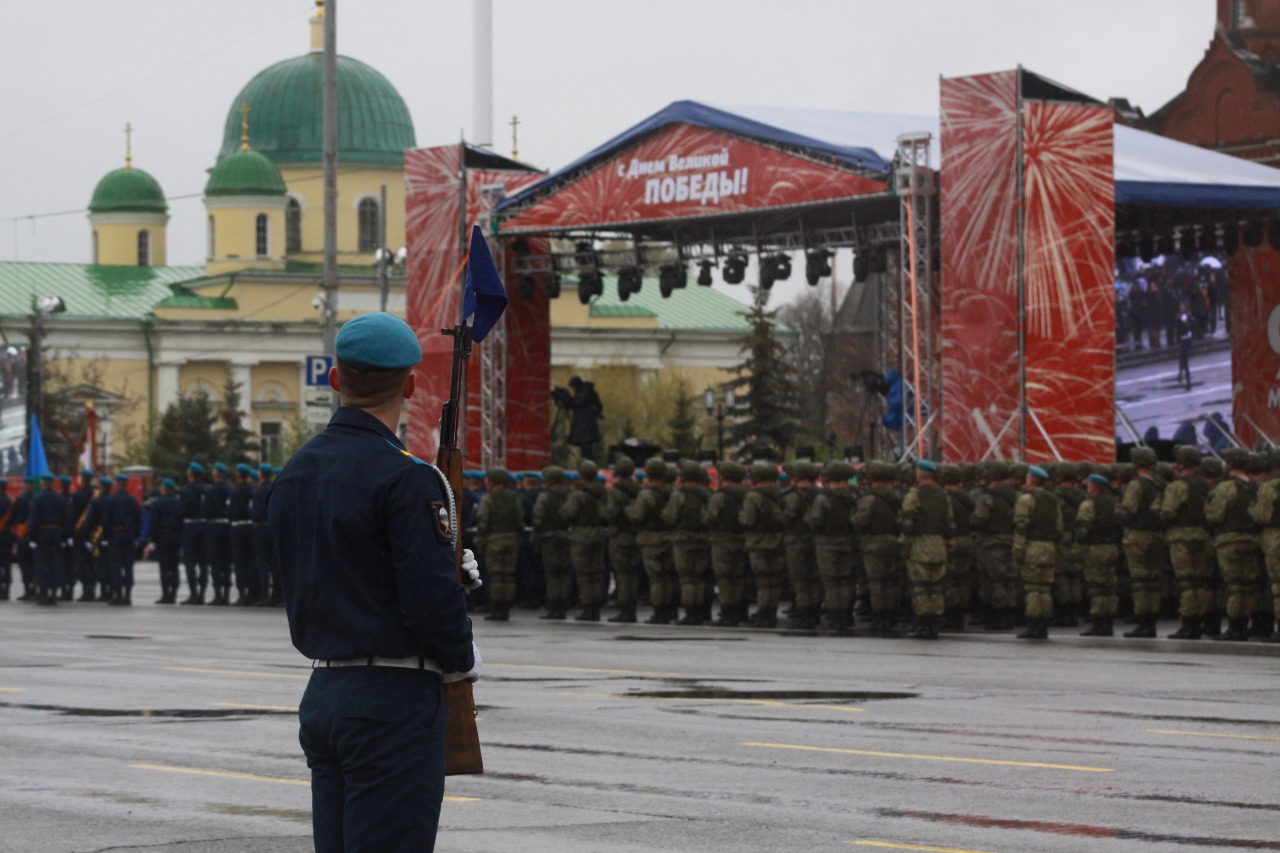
318,370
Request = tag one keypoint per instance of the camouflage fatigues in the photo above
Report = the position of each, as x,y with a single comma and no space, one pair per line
499,522
926,524
1097,542
1037,526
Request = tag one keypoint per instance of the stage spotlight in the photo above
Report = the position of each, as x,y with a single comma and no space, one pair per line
590,284
1146,247
1231,238
552,286
672,277
782,267
735,268
1273,234
629,282
584,255
817,265
526,287
861,266
704,273
768,273
1252,235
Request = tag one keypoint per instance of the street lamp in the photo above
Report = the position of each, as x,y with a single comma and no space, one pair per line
716,409
40,309
383,261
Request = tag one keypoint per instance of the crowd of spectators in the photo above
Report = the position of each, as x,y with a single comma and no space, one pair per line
1151,297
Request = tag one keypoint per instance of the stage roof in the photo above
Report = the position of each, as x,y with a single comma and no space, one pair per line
1149,169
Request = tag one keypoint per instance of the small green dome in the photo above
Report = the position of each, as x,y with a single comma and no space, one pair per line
244,173
128,189
286,116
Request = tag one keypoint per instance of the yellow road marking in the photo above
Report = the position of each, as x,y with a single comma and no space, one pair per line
234,672
1003,762
256,707
574,669
865,843
10,689
1209,734
225,774
769,703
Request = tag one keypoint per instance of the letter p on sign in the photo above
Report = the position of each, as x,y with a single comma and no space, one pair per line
318,370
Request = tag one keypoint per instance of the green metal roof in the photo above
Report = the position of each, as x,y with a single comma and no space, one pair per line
181,299
90,290
690,309
286,114
128,189
245,173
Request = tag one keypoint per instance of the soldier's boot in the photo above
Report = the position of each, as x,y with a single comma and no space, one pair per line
728,617
1275,634
1260,627
68,593
47,597
221,596
1188,630
997,620
765,617
555,610
4,592
1211,625
590,613
498,613
659,616
196,596
932,626
692,616
1237,630
243,599
802,619
919,629
626,613
86,593
1145,629
1102,626
28,592
952,620
1037,629
886,626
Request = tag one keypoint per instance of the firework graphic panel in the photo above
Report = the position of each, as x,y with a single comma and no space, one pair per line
1253,276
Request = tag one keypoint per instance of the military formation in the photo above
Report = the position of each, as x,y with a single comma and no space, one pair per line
891,550
93,534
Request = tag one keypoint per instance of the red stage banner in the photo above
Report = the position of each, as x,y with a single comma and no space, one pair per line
685,171
1253,276
1069,259
434,231
979,239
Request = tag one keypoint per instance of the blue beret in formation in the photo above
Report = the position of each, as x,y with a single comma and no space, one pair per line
1038,472
168,483
197,467
927,465
1099,480
220,468
378,340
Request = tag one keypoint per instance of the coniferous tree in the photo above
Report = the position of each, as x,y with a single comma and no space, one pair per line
186,433
769,393
683,422
236,443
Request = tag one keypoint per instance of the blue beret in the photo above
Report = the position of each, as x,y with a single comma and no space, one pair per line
571,475
197,467
85,472
28,481
266,468
242,468
220,468
1099,479
378,340
49,475
64,479
106,481
472,475
640,475
123,478
927,465
168,483
1038,472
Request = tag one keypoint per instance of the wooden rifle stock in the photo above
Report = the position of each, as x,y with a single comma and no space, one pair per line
461,738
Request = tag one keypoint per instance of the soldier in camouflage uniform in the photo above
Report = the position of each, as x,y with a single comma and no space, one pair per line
1212,470
957,585
499,521
1265,511
829,519
1096,541
691,546
728,553
762,525
1037,535
1182,512
1068,582
992,520
624,554
1235,539
875,519
583,510
1144,546
926,524
645,514
551,539
802,565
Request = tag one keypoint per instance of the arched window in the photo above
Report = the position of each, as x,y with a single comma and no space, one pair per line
144,248
213,237
293,227
95,246
260,234
368,211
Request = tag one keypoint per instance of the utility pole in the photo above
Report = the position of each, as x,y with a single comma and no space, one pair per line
330,320
384,254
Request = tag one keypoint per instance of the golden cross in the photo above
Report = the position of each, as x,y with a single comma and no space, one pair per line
128,145
515,153
244,127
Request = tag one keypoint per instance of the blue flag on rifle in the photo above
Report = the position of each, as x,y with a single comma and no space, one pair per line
483,298
37,463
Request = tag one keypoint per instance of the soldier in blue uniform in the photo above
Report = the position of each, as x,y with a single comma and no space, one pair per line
217,534
166,536
66,556
46,525
191,507
125,516
239,510
264,549
80,557
6,544
21,515
98,536
364,532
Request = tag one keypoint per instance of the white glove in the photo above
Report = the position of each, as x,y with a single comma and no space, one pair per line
470,570
70,542
32,545
102,543
474,675
88,546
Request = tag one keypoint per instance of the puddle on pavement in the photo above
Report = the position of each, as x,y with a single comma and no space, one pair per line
170,713
114,637
1083,830
830,696
1128,715
123,799
626,638
238,810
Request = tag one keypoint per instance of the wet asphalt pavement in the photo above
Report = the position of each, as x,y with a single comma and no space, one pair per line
172,729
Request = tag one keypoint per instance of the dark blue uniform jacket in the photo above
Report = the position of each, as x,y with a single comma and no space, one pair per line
365,554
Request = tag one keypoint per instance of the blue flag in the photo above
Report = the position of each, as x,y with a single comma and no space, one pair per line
483,298
37,463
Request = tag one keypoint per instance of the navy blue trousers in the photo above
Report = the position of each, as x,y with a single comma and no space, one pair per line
193,555
374,740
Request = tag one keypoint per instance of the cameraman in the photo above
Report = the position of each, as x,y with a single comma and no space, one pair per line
582,400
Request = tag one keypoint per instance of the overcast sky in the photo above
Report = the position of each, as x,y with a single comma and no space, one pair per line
576,72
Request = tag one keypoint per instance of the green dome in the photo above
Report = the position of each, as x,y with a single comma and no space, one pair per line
128,189
245,173
287,114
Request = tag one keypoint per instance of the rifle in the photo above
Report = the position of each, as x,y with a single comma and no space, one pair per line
462,740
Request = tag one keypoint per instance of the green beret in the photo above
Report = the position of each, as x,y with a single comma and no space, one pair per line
655,467
1212,468
837,471
378,340
553,474
587,469
1235,457
1143,457
498,476
764,472
731,472
625,466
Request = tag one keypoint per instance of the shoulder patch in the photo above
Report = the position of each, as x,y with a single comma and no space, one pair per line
441,521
